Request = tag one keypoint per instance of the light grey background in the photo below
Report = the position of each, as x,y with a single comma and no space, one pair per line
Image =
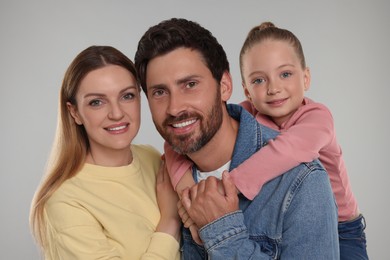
346,45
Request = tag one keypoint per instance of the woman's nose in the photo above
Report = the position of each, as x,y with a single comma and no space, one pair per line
116,112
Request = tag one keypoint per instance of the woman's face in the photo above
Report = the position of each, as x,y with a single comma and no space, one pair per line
108,106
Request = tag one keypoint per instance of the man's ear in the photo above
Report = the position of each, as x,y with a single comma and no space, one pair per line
73,112
226,86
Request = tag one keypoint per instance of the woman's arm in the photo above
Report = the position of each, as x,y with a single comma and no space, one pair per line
167,200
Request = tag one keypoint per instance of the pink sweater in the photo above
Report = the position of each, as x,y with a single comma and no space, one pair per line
310,135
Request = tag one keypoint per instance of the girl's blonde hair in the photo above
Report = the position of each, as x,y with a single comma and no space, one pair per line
268,31
71,143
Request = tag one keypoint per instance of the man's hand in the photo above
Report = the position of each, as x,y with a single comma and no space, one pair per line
204,202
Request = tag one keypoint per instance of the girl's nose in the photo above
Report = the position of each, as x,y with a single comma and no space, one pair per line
272,89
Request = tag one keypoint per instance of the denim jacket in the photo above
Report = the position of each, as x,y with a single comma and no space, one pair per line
293,217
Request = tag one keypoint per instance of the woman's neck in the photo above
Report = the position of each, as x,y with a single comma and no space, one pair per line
110,158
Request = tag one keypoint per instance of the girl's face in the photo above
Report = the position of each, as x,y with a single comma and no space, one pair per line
108,106
274,80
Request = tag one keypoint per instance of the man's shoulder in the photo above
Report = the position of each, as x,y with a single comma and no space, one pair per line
295,177
299,172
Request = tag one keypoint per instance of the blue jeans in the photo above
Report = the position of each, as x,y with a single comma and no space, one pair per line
352,239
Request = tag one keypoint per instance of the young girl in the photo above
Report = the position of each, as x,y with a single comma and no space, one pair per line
98,199
275,77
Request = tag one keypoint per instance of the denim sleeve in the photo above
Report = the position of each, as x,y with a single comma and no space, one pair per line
308,226
228,238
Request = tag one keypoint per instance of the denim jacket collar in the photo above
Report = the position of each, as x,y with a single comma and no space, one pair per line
247,142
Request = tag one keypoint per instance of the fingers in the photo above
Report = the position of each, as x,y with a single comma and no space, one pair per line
185,199
182,212
195,234
230,188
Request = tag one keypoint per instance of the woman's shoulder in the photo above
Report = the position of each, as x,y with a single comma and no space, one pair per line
146,155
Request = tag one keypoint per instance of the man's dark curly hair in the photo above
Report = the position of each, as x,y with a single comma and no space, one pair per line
175,33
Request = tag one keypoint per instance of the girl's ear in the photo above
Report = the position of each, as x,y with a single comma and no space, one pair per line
226,86
73,112
246,92
307,78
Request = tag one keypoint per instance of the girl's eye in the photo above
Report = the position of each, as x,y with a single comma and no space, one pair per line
286,74
258,81
95,102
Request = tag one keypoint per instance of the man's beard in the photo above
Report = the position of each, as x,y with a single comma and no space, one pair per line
192,142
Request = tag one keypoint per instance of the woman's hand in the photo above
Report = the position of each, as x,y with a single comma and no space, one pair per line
167,200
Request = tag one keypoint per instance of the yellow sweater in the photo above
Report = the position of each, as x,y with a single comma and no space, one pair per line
109,213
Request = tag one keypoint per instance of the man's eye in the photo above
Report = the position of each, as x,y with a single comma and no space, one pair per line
286,74
158,92
191,84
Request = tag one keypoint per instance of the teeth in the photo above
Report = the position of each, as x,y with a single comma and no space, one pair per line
116,128
183,124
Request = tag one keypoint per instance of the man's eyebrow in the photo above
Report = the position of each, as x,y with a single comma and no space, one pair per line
187,78
177,82
158,86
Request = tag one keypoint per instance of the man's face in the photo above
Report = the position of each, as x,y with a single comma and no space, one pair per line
184,99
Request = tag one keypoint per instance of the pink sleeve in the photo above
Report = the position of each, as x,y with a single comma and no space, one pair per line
311,129
249,107
177,164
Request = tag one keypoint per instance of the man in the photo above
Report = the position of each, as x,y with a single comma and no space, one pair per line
185,74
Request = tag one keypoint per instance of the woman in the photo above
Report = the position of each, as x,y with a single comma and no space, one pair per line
98,199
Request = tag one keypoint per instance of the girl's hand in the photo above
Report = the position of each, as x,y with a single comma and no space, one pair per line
188,223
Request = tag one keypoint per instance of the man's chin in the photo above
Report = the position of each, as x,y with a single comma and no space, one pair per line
182,147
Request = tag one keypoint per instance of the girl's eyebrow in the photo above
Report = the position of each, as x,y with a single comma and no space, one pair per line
279,67
286,65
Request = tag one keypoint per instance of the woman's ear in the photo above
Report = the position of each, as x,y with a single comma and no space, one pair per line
73,112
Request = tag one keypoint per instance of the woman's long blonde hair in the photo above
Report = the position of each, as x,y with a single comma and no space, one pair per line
71,143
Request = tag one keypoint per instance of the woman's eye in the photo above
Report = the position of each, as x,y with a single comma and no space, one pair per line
128,96
95,102
286,74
